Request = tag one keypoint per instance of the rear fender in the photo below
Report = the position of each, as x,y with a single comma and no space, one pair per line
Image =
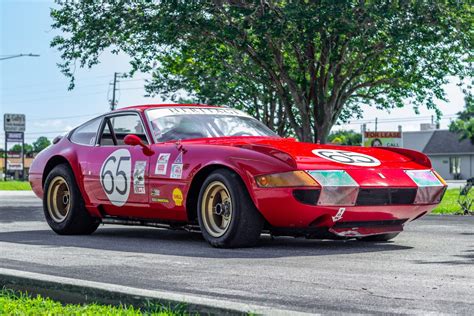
417,157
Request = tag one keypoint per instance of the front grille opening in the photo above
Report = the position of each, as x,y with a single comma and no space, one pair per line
389,196
310,197
370,224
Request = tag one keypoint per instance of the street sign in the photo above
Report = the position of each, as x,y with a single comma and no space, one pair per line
15,137
14,122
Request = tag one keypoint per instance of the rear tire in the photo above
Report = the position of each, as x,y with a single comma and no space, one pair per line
226,213
63,204
382,237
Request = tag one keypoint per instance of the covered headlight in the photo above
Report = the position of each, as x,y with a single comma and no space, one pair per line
338,187
286,179
431,186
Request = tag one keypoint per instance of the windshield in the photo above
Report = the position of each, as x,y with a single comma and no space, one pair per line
187,123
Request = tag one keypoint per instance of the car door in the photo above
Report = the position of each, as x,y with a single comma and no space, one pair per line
118,173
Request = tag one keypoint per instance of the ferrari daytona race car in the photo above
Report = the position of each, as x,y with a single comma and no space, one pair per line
220,171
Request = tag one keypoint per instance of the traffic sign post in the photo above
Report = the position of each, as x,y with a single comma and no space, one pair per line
14,126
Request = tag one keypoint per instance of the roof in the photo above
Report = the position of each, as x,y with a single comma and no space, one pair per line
417,140
446,142
150,106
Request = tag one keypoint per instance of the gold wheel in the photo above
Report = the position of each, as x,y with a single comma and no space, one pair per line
216,209
59,199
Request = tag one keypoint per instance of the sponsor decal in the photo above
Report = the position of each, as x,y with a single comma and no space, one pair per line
115,176
155,192
194,110
347,157
179,159
160,200
177,167
139,177
178,197
176,171
162,164
339,214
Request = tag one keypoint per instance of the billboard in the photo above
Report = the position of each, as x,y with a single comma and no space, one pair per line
386,139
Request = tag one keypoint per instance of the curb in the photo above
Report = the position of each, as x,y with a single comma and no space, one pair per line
76,291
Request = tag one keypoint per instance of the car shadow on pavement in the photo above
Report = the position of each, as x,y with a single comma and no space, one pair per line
181,243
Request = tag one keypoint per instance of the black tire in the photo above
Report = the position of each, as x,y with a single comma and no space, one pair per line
246,222
77,220
381,237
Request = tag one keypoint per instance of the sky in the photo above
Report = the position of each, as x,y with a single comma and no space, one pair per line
35,87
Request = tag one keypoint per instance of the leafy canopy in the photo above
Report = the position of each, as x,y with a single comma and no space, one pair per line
464,125
342,137
300,66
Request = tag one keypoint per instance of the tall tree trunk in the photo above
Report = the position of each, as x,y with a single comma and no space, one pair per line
322,118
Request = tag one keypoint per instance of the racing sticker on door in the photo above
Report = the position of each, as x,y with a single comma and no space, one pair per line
162,164
347,157
115,176
139,177
177,167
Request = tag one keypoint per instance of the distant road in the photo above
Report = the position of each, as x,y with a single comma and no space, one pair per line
428,269
456,184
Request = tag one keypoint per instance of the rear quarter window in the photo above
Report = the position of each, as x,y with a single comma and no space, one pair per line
86,134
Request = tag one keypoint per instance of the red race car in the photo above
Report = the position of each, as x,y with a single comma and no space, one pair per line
221,171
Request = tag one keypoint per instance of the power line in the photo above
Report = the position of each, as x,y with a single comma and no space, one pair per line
56,98
55,83
18,55
401,119
13,93
62,117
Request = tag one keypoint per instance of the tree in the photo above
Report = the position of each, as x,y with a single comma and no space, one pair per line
464,125
320,60
41,143
350,138
17,148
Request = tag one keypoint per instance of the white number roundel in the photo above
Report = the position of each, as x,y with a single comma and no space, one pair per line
115,176
347,157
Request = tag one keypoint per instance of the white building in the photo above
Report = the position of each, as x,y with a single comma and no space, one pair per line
451,158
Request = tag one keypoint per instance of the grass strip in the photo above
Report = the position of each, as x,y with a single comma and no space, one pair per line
17,303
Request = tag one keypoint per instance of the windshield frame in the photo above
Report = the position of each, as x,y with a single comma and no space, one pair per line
233,112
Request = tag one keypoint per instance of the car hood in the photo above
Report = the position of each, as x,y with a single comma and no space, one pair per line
309,155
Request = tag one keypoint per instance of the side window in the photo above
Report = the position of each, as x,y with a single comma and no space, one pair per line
86,134
122,126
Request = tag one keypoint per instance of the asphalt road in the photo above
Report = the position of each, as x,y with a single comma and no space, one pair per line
427,269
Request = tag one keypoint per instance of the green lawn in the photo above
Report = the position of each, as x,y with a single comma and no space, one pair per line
449,204
14,303
14,185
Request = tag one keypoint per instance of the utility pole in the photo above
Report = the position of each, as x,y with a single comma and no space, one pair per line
113,101
376,123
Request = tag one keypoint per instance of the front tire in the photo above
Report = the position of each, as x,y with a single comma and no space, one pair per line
226,213
63,205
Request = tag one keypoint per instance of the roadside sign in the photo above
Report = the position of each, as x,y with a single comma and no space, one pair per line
14,122
15,166
386,139
12,154
15,137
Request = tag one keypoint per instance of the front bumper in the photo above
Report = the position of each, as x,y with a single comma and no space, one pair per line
281,209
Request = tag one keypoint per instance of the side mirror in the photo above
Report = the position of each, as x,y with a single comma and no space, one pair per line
134,140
